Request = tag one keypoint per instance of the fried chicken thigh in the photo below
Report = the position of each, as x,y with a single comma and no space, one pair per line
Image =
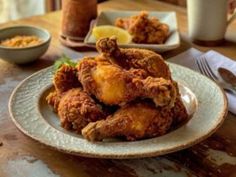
144,29
114,85
147,60
76,109
133,121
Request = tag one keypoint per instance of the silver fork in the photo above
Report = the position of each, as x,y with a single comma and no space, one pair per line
205,69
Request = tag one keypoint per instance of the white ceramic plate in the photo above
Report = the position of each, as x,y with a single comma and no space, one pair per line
109,17
34,117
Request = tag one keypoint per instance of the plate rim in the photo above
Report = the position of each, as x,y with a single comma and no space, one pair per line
221,118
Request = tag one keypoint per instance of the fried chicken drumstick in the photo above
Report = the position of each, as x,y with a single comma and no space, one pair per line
147,60
114,85
136,121
133,121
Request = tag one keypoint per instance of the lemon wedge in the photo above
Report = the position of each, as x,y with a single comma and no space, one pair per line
123,37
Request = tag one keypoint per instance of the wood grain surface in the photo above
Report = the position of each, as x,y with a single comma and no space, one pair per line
23,157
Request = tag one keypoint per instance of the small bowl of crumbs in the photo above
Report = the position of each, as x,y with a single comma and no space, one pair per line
23,44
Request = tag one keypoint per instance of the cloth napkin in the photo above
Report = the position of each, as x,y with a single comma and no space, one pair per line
215,60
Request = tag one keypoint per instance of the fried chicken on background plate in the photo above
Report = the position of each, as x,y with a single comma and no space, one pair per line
144,29
136,81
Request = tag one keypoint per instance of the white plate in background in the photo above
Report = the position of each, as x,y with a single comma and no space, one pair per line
109,17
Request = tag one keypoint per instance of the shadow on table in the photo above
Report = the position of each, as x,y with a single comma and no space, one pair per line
41,63
185,44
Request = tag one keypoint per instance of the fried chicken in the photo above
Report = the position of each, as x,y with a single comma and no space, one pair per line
147,60
74,106
76,109
179,112
121,92
133,121
144,29
53,99
152,64
137,120
63,80
114,85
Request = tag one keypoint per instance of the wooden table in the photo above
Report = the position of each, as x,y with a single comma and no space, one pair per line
23,157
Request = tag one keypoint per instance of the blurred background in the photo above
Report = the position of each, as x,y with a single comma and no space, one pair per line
16,9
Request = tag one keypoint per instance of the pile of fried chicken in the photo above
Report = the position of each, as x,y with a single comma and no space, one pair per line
144,29
125,93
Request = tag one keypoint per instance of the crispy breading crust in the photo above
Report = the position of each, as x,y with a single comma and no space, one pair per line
53,99
65,79
76,109
100,78
147,60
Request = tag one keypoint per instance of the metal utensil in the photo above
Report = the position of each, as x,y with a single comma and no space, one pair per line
205,69
227,76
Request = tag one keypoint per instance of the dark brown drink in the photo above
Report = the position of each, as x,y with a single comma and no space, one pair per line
76,17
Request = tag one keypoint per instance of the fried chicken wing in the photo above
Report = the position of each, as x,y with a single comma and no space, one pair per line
114,85
149,61
76,109
144,29
133,121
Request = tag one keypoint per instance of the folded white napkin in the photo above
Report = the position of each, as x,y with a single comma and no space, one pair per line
215,60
